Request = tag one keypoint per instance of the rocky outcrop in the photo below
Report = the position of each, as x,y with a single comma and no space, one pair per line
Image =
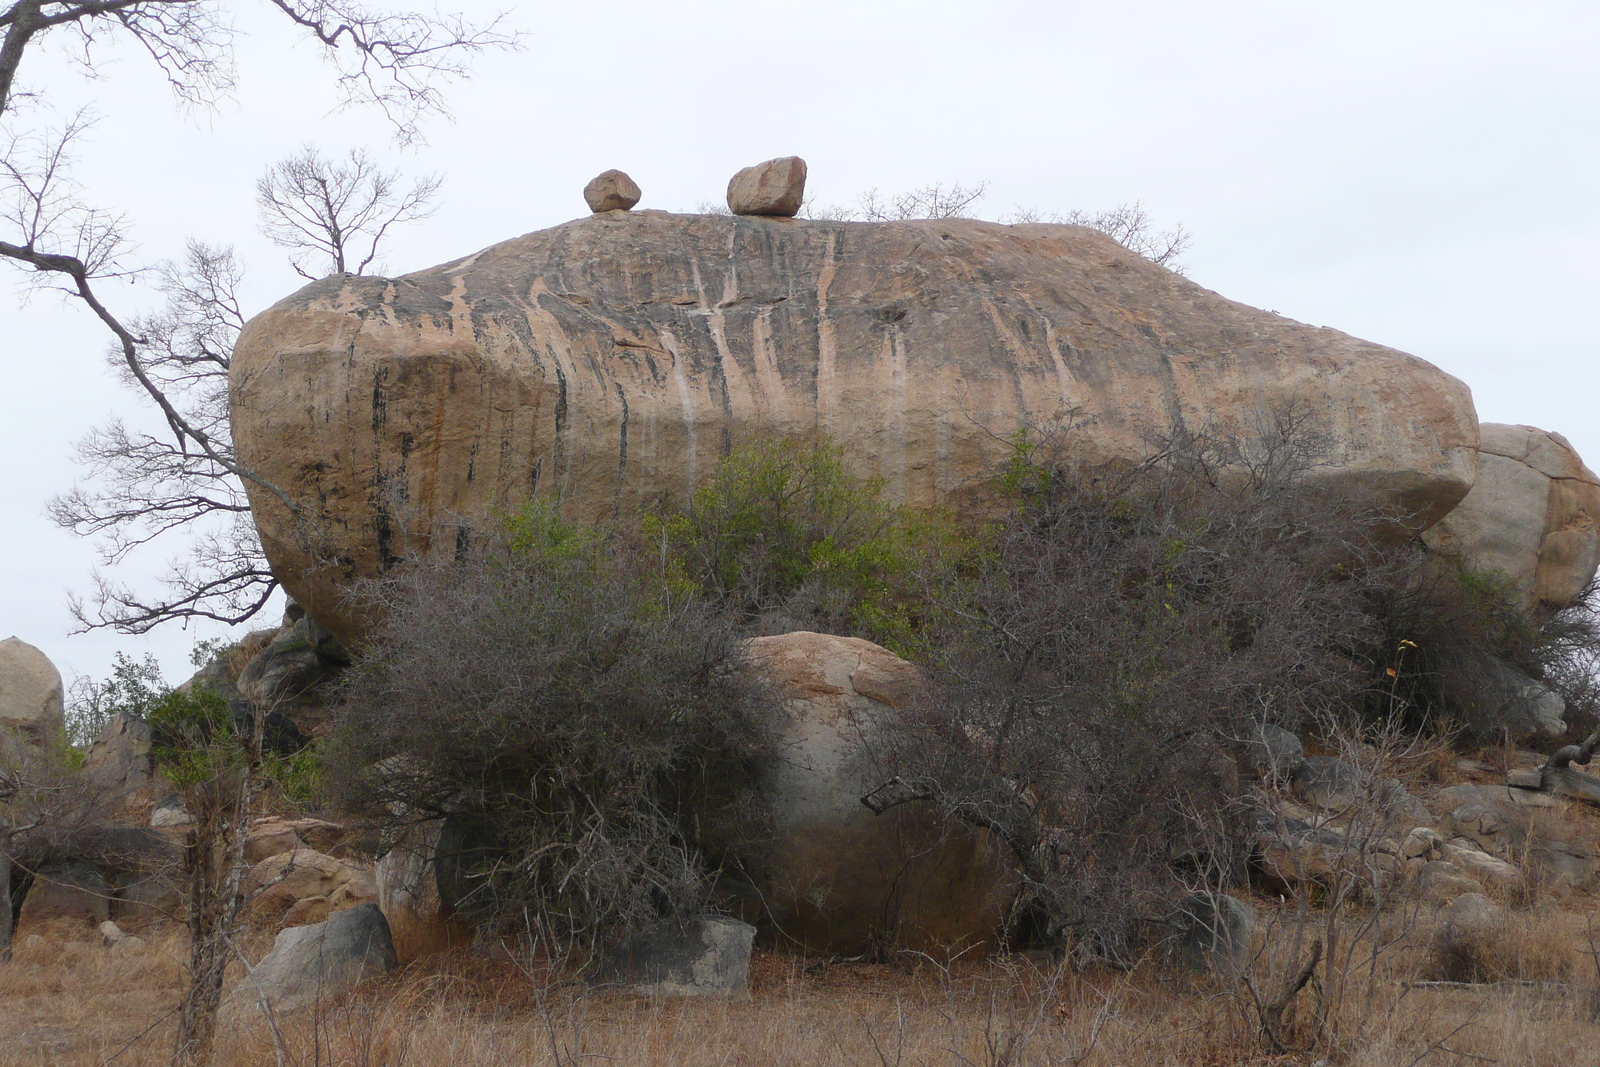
1531,518
301,886
30,693
835,877
610,361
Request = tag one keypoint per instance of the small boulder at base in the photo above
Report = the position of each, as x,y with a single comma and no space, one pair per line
611,190
1275,753
835,877
1326,782
707,956
775,188
408,893
310,962
1212,932
30,692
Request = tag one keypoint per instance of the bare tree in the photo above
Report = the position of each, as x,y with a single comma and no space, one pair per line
141,486
1130,225
398,61
936,201
340,211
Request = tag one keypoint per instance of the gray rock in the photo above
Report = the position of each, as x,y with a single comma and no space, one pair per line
72,893
1274,752
1423,843
310,962
111,933
1443,881
168,812
611,190
776,187
1532,518
707,956
30,693
1525,706
1472,914
1212,932
1327,782
119,759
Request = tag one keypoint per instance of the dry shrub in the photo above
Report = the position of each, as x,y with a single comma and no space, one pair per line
1099,665
1516,946
574,721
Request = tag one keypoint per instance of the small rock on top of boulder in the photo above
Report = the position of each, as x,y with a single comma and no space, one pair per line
776,187
611,190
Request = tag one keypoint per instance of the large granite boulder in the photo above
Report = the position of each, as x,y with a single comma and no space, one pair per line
608,363
1531,517
834,876
30,693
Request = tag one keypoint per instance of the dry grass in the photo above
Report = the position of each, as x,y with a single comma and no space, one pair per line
78,1003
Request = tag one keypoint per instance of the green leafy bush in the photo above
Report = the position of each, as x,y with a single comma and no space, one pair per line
786,538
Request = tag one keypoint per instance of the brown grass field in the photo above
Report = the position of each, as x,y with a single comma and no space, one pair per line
71,1001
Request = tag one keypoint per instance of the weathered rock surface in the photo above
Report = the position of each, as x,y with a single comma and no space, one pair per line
119,762
408,893
1212,932
308,963
75,894
707,956
611,190
775,188
1328,782
1531,517
30,693
836,877
316,884
612,360
1275,753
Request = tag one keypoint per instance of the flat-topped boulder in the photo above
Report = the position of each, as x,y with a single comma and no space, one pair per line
609,362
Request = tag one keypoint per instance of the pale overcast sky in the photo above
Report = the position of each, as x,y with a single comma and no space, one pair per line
1422,174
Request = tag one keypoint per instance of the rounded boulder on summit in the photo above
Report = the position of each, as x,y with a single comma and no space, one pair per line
611,190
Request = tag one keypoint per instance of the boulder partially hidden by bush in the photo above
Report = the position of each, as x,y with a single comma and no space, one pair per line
836,877
706,956
308,963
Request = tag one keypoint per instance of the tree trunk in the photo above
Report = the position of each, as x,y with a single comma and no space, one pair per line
214,861
5,892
